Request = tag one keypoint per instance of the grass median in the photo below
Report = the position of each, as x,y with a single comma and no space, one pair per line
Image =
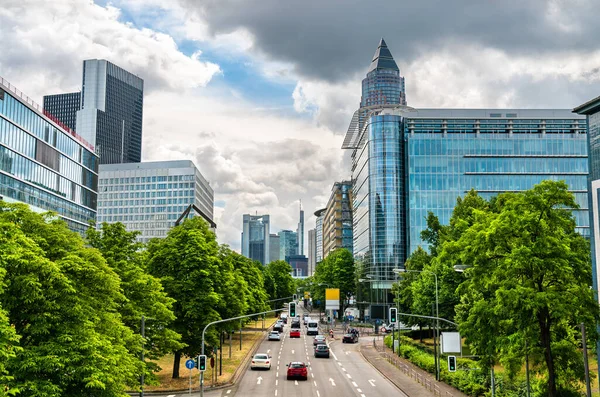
250,338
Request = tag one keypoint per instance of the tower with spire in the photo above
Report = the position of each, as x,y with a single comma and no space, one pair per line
383,84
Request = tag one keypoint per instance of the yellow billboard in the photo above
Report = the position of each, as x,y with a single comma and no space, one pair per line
332,299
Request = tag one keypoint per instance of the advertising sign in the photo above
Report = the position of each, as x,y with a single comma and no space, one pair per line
332,299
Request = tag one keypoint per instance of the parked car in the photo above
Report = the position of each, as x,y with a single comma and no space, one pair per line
297,369
319,340
274,335
322,351
294,333
261,361
350,338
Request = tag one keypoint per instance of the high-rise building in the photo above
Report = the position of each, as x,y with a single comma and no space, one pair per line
288,244
383,84
64,107
151,196
274,250
299,265
337,219
300,232
44,165
319,233
312,251
407,162
256,238
109,114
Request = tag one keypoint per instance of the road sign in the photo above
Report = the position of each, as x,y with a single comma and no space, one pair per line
332,299
212,362
190,364
306,294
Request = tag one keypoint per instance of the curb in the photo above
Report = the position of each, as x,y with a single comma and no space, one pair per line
382,374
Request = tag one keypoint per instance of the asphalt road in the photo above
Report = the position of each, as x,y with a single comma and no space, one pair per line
344,374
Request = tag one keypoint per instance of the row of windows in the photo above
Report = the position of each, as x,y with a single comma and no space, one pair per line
145,210
461,165
34,173
120,203
149,186
145,179
36,125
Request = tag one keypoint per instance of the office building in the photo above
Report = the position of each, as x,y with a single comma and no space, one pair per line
383,84
64,107
300,232
274,250
152,196
109,114
256,237
43,164
288,244
312,251
407,162
299,265
319,233
337,219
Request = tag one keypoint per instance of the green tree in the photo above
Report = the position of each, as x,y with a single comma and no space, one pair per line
530,278
188,265
337,270
9,341
252,272
143,292
278,280
232,288
62,301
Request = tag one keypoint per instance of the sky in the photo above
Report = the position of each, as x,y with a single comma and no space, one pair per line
259,93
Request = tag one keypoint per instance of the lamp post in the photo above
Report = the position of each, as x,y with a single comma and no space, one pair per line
325,299
437,313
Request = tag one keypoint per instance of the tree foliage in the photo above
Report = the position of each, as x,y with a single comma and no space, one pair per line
278,280
337,270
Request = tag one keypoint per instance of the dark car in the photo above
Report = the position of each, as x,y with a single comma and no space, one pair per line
350,338
296,325
278,327
297,369
322,351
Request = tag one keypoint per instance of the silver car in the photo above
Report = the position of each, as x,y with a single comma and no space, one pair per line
261,361
274,335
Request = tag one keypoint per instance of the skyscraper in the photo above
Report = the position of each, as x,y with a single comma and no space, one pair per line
274,250
312,251
319,233
407,162
288,243
151,196
337,219
256,238
300,232
44,165
383,84
109,113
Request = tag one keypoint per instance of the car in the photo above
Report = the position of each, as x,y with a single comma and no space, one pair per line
306,320
274,335
322,351
278,327
294,333
295,325
297,369
261,361
284,318
350,338
319,340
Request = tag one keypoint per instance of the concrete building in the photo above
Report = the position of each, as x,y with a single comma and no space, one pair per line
319,233
109,114
300,232
407,162
337,219
312,251
256,237
152,196
274,249
43,163
299,265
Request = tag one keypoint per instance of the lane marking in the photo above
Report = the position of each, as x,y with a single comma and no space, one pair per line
228,391
332,381
311,374
276,392
334,356
315,382
277,374
276,382
372,382
318,394
292,351
354,384
296,382
348,375
259,380
344,369
362,395
340,364
358,390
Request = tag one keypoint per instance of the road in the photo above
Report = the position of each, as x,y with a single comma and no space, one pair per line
344,374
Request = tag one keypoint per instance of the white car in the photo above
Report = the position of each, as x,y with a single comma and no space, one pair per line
261,361
274,335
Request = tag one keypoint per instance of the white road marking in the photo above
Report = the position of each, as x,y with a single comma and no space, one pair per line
332,382
258,380
344,369
296,382
315,382
347,352
354,384
292,351
268,351
277,374
276,382
318,394
276,393
362,395
311,374
339,363
171,395
358,390
334,356
372,382
228,391
348,375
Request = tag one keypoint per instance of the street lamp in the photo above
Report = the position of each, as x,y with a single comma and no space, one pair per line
437,311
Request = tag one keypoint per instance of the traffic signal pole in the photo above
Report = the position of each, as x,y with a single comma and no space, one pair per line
224,321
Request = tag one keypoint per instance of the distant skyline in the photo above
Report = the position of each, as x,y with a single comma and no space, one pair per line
260,100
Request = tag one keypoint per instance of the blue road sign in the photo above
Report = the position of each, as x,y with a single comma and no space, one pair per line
189,364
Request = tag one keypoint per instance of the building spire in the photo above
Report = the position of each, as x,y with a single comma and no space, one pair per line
383,58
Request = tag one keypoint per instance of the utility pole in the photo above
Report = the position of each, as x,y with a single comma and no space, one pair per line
585,362
142,354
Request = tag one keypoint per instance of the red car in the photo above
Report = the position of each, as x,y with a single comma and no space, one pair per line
297,369
295,333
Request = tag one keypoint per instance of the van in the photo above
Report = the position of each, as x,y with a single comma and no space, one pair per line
313,328
284,317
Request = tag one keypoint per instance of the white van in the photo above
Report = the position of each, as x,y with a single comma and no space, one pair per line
313,328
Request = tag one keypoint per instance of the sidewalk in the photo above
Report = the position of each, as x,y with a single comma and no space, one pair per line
412,380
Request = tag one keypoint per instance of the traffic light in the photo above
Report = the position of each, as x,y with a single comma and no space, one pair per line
295,297
202,362
393,315
292,309
451,363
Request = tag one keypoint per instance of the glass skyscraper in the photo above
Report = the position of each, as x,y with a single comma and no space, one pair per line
150,196
288,243
44,165
109,113
383,84
256,237
407,162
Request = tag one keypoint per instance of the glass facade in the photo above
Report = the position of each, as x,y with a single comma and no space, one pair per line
383,84
256,238
288,243
151,196
64,107
337,219
43,165
319,233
